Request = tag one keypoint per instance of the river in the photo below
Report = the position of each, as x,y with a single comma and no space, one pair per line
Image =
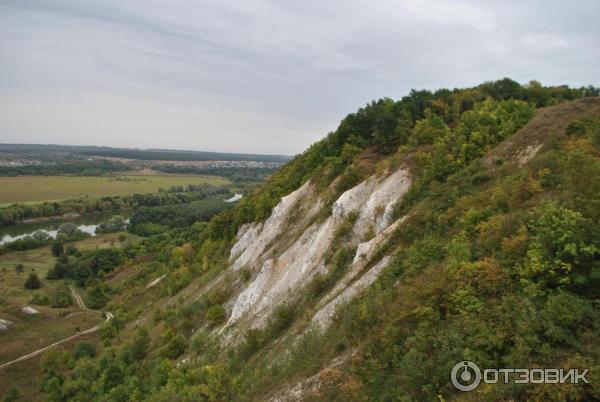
86,224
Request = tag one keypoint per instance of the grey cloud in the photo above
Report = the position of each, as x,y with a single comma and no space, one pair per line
260,75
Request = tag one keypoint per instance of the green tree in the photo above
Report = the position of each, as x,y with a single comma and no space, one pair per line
137,349
96,298
68,229
40,235
61,299
111,377
57,249
216,314
428,130
33,282
84,349
561,252
404,126
174,347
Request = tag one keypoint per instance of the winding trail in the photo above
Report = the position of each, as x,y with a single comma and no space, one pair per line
81,304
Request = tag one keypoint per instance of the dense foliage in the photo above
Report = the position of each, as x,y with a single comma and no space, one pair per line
32,282
86,265
116,223
147,221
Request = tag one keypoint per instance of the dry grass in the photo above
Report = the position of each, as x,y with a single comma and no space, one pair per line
547,125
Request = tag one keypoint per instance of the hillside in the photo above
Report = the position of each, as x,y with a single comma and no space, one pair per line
446,226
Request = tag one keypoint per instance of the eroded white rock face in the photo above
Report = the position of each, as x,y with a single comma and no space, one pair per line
528,153
254,238
325,314
372,200
356,279
377,210
365,250
250,296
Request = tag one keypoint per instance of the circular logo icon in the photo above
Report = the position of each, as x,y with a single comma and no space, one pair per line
465,376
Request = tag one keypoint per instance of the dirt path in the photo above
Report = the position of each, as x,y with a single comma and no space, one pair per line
82,305
78,298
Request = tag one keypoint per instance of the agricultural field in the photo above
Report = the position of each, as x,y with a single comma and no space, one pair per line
31,189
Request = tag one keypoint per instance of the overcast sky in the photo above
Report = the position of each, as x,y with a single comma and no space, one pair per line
262,76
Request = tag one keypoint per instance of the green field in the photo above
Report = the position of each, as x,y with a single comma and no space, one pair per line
54,188
31,332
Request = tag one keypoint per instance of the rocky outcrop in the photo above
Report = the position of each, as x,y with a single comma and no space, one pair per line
254,238
4,324
358,277
284,270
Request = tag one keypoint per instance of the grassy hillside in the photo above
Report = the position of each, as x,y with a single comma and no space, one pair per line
31,332
494,258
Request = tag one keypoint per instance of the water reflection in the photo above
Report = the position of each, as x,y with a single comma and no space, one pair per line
235,198
86,224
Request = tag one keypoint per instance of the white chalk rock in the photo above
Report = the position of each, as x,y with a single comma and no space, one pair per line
4,324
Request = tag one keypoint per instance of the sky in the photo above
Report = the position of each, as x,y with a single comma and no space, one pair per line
259,76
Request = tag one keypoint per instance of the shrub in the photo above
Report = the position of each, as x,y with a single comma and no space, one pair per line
174,347
57,248
96,298
84,349
205,344
283,317
33,282
68,229
575,128
40,235
115,224
139,347
216,314
57,272
40,299
61,299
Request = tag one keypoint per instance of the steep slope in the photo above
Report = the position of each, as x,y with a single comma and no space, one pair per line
365,207
442,227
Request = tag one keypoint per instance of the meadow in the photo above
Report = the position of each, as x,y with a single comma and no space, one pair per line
30,332
31,189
